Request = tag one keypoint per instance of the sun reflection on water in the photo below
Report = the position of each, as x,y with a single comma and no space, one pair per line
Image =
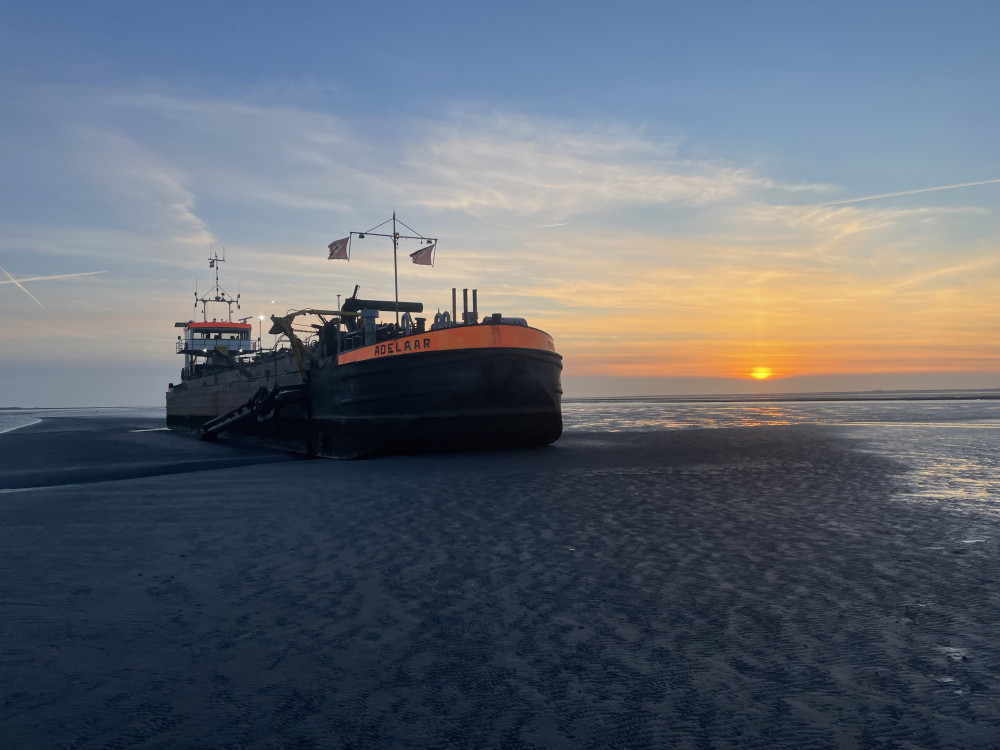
952,448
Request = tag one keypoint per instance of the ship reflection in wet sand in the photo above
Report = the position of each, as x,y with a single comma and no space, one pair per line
354,386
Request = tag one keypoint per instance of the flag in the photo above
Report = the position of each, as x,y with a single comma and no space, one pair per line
424,256
339,249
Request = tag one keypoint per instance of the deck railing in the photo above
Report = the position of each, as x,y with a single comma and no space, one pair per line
235,346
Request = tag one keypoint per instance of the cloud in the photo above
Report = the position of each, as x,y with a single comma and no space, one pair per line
836,233
507,164
148,191
971,269
482,164
281,155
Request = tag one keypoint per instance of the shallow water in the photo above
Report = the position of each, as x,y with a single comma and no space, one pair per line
951,447
953,462
653,414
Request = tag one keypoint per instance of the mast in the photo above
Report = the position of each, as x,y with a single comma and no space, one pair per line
395,267
396,237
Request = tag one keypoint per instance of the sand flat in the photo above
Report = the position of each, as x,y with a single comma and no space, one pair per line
749,587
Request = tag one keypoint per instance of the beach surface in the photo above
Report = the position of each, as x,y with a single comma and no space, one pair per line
757,587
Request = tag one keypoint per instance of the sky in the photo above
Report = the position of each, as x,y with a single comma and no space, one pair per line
692,198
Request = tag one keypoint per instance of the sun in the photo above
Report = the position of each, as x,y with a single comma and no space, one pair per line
760,373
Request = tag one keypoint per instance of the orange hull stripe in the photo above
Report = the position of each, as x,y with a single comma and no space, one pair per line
459,337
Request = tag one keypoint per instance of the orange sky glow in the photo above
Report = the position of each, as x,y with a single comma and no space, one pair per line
831,316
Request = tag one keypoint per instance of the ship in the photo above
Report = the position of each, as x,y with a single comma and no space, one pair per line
368,377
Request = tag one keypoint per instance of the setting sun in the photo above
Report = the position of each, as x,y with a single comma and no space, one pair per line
760,373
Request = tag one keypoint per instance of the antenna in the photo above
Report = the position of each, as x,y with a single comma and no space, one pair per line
217,293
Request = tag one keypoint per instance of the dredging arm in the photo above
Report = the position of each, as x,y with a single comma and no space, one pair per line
283,325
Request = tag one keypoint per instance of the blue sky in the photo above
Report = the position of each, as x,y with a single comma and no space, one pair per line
667,188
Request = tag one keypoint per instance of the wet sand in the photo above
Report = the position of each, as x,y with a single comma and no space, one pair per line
731,588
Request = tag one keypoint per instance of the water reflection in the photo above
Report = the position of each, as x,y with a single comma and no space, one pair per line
949,462
952,447
646,414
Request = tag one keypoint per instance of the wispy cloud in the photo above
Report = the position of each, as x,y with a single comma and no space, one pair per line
144,183
528,166
484,164
974,267
844,231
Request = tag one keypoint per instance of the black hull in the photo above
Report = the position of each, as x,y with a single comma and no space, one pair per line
462,399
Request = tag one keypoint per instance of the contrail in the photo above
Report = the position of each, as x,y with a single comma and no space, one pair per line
20,286
911,192
46,278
